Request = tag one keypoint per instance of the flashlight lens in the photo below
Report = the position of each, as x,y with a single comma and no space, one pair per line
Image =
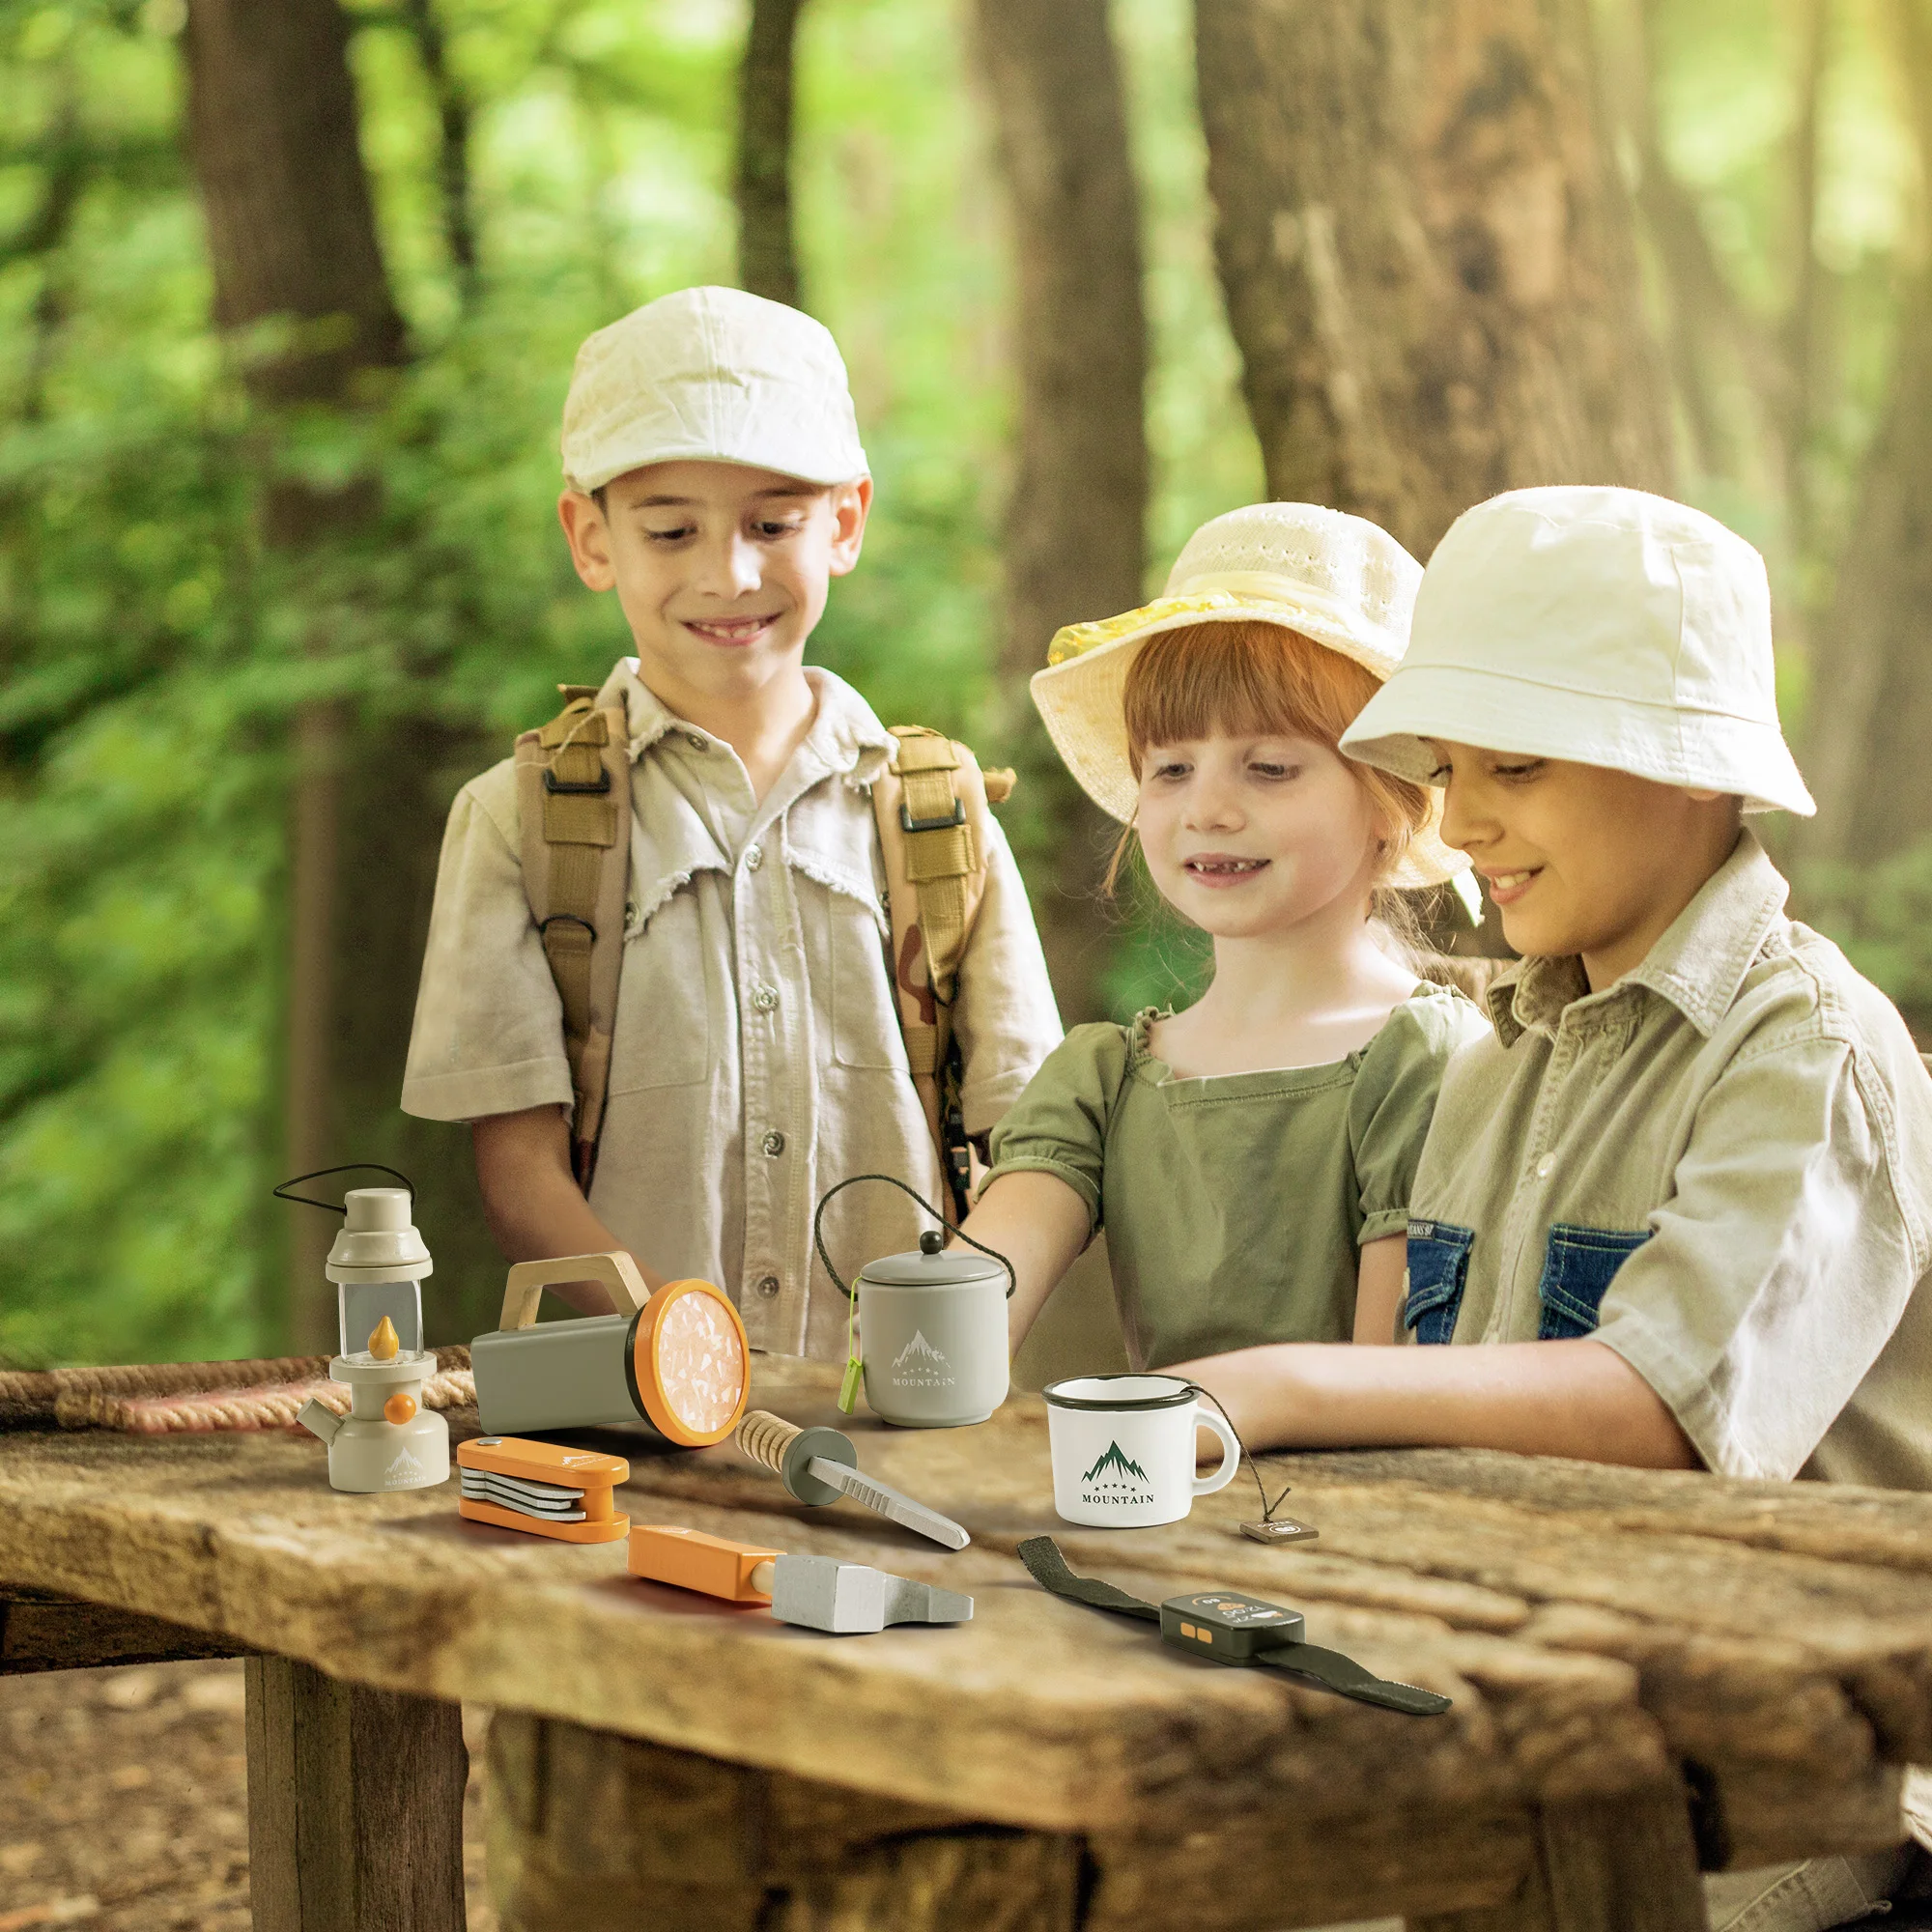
700,1363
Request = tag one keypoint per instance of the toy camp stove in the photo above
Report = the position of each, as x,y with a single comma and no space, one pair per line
388,1440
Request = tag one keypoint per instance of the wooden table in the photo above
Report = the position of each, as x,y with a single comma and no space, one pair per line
1651,1673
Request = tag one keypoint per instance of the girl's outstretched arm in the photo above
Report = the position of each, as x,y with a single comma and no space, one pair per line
1040,1225
1577,1398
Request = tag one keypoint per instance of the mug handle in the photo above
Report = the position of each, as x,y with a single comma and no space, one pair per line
1230,1452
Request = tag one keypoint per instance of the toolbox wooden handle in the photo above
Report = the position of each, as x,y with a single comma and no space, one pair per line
524,1289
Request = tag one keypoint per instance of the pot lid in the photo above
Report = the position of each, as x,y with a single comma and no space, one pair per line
932,1266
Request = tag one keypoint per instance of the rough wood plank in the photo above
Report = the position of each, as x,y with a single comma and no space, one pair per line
1837,1520
43,1630
1054,1718
1590,1646
1628,1866
354,1806
602,1834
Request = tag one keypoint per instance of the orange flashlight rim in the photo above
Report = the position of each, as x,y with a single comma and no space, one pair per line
663,1418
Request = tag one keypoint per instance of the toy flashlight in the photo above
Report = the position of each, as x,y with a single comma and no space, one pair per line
675,1360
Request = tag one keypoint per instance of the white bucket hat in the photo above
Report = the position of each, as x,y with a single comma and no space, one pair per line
1337,579
1604,626
712,373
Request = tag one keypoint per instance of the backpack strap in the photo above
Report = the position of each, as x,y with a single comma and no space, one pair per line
931,807
574,805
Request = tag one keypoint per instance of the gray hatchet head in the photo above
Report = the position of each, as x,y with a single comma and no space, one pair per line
824,1593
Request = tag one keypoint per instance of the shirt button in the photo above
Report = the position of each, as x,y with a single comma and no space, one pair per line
774,1144
754,857
768,1286
1544,1166
697,743
765,999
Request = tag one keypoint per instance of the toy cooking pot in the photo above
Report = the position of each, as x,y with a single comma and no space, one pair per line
932,1328
677,1363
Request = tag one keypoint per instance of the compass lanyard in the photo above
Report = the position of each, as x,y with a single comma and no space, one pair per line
1231,1628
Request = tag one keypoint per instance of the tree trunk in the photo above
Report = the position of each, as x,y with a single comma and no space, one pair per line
274,139
1427,253
453,118
767,256
1872,707
1076,541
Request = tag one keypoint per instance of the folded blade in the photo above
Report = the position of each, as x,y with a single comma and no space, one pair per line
887,1500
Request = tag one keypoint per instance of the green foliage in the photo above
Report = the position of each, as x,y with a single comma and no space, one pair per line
152,654
155,653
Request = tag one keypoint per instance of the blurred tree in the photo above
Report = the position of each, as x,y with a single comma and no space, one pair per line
1866,747
453,114
1075,527
1427,253
767,254
273,136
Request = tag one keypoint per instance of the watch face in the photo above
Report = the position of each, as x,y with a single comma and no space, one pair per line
1232,1610
1228,1626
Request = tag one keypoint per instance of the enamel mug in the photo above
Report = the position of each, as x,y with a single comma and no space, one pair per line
1122,1449
932,1330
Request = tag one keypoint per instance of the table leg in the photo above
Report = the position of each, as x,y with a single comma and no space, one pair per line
1625,1865
355,1805
591,1833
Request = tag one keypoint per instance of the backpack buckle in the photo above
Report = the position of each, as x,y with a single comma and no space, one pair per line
908,823
599,784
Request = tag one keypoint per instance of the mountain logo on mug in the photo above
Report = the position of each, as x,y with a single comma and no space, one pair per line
920,1365
1116,1478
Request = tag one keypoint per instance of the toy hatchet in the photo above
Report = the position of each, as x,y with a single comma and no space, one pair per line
819,1592
820,1464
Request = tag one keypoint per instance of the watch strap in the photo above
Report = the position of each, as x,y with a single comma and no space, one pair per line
1047,1568
1336,1672
1329,1668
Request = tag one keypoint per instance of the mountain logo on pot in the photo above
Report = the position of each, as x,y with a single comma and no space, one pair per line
1116,1479
404,1470
920,1365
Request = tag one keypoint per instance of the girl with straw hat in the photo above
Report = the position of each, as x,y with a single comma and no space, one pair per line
1251,1156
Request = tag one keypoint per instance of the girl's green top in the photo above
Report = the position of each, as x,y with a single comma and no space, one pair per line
1234,1204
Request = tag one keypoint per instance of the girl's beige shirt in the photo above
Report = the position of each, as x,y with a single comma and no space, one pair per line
757,1056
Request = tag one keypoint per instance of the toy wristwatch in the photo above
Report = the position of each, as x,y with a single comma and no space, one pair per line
1231,1628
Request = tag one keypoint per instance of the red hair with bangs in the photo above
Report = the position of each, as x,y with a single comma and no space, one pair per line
1210,680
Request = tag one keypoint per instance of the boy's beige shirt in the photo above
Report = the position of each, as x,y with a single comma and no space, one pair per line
758,1057
1759,1108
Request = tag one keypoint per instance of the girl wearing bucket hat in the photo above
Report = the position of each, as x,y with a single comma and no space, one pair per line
1251,1156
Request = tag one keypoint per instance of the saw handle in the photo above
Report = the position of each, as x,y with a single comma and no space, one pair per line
524,1289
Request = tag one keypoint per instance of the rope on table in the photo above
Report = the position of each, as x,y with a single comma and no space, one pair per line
176,1398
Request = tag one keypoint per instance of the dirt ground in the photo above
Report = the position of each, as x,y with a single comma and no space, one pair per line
124,1802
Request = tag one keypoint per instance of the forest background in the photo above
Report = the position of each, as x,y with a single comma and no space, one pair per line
289,293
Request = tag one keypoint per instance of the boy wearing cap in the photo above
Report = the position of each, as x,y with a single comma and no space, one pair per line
1685,1194
716,482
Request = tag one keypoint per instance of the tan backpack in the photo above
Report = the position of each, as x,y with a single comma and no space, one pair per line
574,801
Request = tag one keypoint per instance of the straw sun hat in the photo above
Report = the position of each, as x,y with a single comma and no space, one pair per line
1336,579
1605,626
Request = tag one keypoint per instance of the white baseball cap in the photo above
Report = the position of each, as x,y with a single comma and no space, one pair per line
1340,581
1605,626
716,375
